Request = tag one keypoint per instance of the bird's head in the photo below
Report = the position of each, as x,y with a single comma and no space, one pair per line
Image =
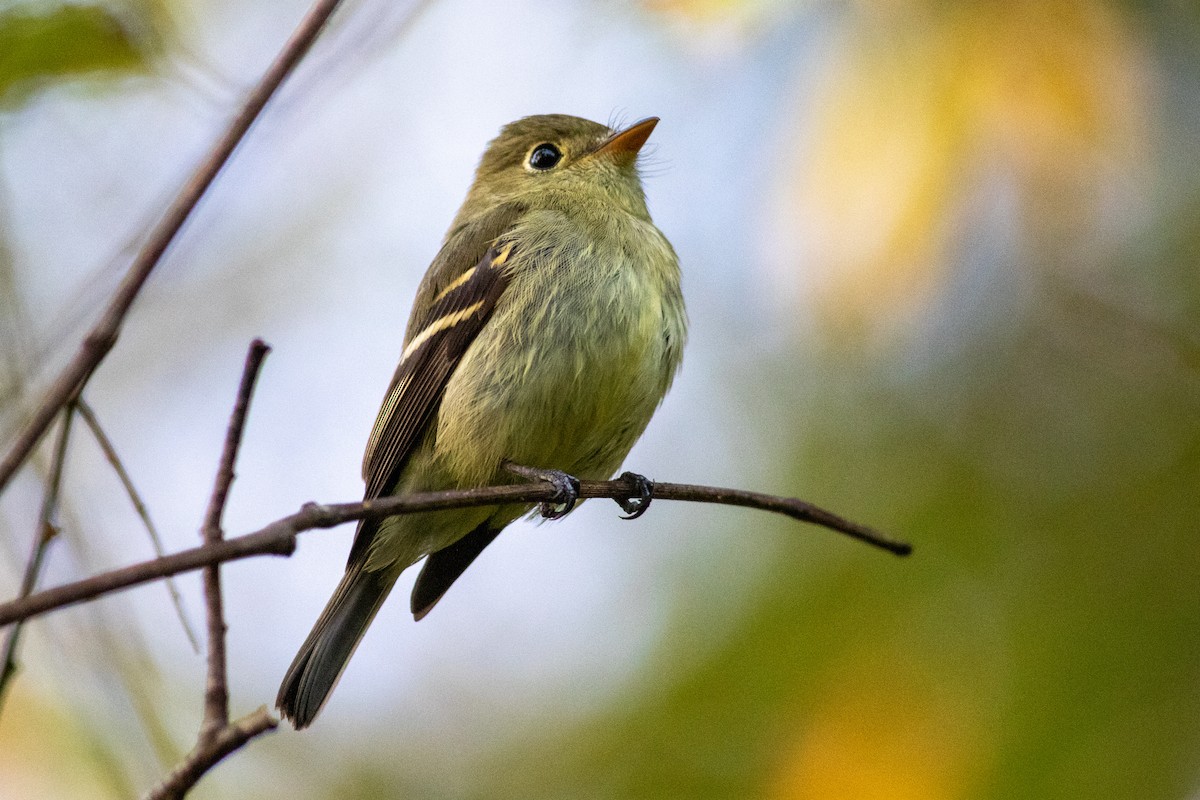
556,160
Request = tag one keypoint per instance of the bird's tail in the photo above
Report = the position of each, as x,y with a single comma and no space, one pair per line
316,669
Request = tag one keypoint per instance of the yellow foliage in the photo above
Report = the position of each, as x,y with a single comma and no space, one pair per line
1045,103
880,732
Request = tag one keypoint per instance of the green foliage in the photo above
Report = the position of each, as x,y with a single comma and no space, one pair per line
40,45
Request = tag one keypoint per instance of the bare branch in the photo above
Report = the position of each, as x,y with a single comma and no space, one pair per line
46,533
268,541
788,506
114,460
216,693
101,338
218,736
279,538
208,752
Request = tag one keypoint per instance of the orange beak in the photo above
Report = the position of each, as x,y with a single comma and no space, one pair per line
623,146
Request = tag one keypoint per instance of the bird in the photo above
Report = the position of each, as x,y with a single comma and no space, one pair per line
543,337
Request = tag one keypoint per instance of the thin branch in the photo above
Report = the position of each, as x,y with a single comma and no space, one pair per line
100,340
268,541
114,460
206,754
45,534
788,506
218,736
279,538
216,692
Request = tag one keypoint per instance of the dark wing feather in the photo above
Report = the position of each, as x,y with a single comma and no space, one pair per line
465,244
443,567
429,359
455,301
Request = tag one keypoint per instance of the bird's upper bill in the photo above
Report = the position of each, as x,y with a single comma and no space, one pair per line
623,146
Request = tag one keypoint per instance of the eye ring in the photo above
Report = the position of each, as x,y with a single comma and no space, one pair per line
543,157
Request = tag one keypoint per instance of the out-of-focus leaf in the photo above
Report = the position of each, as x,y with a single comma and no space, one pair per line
83,765
944,124
37,46
719,12
720,26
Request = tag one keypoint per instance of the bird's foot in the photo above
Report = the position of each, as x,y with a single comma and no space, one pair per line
566,488
643,491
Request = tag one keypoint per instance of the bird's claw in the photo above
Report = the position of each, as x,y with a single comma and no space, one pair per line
566,489
634,507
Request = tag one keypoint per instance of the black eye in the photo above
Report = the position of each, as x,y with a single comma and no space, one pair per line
545,156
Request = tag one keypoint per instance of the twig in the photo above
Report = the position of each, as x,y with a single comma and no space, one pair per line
114,460
45,534
279,537
269,541
101,338
216,693
218,736
788,506
206,754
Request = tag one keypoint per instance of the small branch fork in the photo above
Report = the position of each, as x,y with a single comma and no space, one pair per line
216,695
218,736
45,535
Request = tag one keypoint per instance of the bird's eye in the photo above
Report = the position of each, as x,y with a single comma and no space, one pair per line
545,156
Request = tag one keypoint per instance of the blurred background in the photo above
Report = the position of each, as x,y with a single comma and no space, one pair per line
941,261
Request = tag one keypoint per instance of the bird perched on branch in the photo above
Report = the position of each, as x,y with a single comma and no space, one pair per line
543,337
